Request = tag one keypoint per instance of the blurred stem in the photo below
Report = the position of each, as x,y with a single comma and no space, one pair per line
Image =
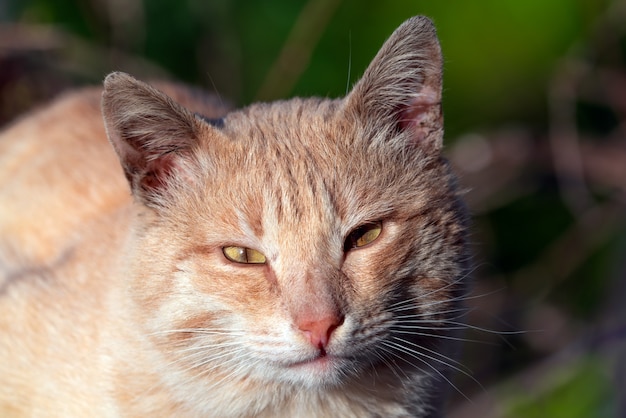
564,138
128,23
594,228
296,53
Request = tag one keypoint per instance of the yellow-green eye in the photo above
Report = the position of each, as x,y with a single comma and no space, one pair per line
243,255
363,235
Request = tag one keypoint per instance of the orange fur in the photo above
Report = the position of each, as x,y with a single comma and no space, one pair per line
120,302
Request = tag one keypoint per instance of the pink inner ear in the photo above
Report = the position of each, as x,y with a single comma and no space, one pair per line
423,114
158,172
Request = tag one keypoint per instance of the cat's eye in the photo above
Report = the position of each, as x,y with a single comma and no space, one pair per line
243,255
363,235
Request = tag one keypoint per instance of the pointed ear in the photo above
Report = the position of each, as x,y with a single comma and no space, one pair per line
401,88
152,135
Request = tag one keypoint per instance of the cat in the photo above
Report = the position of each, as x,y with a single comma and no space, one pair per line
300,258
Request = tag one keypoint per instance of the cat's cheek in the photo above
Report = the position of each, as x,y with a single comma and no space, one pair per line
239,285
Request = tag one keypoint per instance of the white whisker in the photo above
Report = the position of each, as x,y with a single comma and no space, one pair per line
442,336
443,359
203,331
416,355
487,330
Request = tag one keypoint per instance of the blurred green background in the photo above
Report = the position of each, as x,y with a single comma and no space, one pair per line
535,102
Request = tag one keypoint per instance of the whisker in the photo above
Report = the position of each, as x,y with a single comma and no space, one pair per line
428,314
235,360
387,361
427,294
210,354
443,359
197,365
212,346
241,362
411,353
457,281
425,321
489,331
410,303
445,337
203,331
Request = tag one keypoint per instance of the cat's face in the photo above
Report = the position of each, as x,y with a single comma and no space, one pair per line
307,241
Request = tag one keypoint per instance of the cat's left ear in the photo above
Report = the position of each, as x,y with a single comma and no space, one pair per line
401,89
152,135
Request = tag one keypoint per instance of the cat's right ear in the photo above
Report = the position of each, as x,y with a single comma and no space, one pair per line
400,92
152,135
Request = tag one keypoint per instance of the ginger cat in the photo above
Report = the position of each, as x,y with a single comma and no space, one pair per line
301,258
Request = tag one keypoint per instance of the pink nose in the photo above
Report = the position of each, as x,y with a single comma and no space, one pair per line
318,331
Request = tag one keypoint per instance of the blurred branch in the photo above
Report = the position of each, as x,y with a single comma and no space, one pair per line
585,154
70,53
128,29
17,38
566,89
296,53
596,225
37,62
492,167
564,138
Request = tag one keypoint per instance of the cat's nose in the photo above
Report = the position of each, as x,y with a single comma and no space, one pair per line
319,330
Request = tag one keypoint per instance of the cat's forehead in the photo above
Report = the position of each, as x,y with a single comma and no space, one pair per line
299,121
310,139
307,160
291,160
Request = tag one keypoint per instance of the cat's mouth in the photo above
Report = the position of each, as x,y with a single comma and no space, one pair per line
321,359
321,369
328,370
322,364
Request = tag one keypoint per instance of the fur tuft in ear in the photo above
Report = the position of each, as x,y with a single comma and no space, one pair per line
150,133
401,88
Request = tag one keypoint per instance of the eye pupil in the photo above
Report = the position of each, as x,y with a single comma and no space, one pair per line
243,255
363,235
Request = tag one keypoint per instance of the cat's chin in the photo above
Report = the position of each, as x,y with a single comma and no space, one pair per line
320,371
321,362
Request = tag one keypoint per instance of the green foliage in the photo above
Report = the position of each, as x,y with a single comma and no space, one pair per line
499,54
582,389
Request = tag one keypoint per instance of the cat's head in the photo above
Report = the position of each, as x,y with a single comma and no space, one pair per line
307,241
